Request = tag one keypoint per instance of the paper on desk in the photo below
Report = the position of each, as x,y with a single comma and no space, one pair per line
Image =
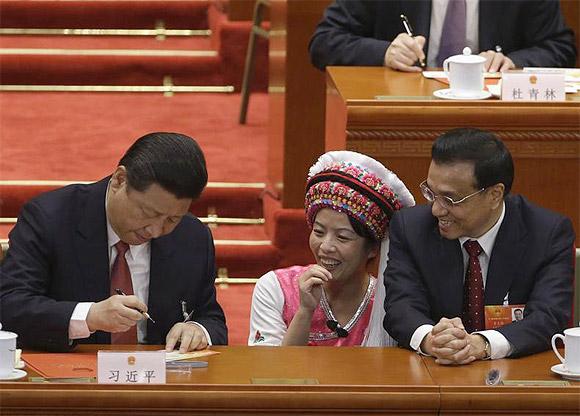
176,356
67,365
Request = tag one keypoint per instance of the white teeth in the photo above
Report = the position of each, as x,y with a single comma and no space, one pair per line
329,264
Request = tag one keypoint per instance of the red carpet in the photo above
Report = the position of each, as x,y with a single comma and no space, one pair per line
111,14
81,127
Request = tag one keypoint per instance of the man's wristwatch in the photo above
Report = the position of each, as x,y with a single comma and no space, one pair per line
487,348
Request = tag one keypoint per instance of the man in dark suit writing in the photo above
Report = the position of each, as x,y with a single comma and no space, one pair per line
87,261
476,245
508,33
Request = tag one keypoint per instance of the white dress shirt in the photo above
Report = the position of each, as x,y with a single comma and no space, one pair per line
500,346
438,11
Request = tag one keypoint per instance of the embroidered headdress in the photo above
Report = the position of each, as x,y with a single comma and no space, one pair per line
358,186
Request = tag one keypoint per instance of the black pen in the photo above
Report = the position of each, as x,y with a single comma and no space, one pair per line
145,314
409,30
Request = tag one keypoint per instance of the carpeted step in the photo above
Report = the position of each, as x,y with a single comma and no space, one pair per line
190,69
114,14
231,41
81,136
182,43
111,60
218,199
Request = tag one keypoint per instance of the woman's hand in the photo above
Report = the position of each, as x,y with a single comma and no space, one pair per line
310,286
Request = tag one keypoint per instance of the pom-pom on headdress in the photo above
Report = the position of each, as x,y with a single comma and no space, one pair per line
358,186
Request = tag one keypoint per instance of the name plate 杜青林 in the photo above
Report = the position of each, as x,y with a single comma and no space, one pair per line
131,367
540,86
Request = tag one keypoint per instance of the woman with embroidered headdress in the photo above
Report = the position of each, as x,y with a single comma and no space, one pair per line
350,198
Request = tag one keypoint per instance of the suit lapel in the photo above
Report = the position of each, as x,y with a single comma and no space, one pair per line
419,14
447,270
489,11
507,254
91,242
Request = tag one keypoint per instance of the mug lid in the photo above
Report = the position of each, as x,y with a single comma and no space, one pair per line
7,335
467,57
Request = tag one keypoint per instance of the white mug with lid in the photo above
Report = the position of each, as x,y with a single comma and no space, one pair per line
571,359
7,353
465,74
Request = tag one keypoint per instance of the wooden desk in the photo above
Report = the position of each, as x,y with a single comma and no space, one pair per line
351,381
544,138
462,388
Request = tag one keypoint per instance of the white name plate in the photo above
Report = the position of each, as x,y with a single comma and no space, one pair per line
132,367
538,86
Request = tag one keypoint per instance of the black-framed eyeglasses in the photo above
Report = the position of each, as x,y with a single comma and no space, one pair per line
335,326
445,201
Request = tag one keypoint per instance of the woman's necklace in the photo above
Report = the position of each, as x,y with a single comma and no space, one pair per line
322,336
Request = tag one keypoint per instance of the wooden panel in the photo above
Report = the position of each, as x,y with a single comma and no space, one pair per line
399,128
297,97
463,388
399,381
350,381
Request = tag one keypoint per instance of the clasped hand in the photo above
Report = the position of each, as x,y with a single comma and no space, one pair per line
450,344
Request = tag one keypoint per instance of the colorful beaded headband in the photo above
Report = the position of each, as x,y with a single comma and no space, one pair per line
358,186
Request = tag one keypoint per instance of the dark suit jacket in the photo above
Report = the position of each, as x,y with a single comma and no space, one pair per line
532,260
58,256
358,32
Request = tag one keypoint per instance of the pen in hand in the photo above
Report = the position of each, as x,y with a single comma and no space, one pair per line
145,314
409,30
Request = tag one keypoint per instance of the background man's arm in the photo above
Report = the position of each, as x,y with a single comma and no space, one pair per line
344,37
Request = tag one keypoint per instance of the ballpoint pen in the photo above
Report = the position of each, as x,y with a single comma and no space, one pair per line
145,314
409,31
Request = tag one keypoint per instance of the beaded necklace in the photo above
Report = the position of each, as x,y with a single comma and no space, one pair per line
323,336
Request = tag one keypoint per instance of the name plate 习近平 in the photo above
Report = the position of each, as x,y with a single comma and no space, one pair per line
540,86
131,367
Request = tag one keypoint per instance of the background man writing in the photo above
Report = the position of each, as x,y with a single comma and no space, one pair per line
72,248
509,33
476,245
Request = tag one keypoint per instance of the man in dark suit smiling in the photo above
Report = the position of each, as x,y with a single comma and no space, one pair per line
476,245
87,262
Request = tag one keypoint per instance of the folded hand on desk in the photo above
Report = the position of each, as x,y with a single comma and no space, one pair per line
115,314
449,343
496,62
189,335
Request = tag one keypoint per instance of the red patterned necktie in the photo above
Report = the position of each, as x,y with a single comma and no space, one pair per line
121,279
453,33
473,315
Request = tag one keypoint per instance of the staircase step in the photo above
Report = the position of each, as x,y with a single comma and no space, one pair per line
185,43
115,14
124,69
221,199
